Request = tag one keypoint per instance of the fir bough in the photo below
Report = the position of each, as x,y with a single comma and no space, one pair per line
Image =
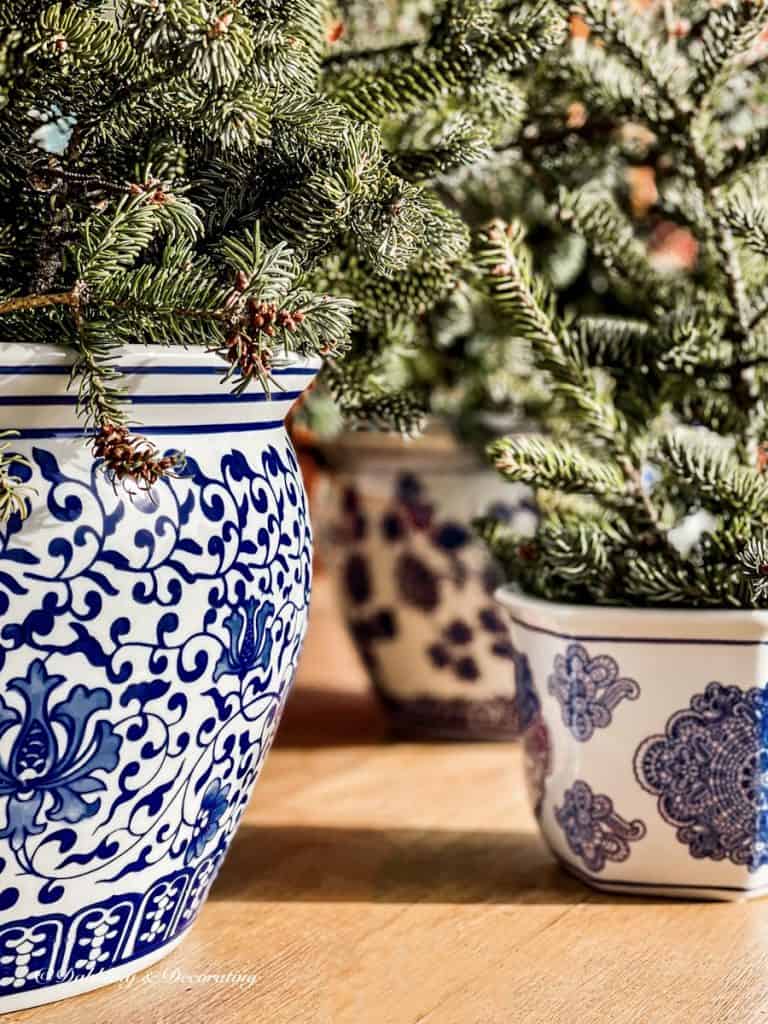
198,173
651,476
447,80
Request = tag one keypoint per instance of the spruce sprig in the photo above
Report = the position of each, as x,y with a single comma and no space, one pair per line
663,449
208,174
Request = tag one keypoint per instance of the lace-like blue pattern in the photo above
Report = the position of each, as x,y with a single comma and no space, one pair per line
709,771
593,829
588,690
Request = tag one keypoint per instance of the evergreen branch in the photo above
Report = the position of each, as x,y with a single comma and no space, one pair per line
462,47
100,385
117,239
224,103
14,491
656,65
371,56
517,292
215,45
725,33
612,238
666,578
754,563
521,297
686,346
616,341
25,302
713,476
735,284
461,142
365,402
747,219
612,88
572,557
741,157
555,465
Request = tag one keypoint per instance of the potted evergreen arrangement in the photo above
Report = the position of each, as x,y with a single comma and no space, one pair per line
415,585
177,195
638,607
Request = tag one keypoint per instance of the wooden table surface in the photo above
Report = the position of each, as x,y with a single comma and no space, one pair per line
381,883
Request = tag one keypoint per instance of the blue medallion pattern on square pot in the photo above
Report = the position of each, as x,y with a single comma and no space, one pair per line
709,771
417,587
588,690
594,830
147,647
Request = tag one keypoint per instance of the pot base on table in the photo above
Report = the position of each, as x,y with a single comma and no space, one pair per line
670,892
434,719
646,744
88,983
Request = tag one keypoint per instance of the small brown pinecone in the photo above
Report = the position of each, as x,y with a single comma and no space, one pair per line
131,458
248,356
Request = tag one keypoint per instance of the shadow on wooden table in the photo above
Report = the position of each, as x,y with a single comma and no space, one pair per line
335,865
317,717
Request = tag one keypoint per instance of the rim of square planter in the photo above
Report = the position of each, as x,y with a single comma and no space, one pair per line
612,622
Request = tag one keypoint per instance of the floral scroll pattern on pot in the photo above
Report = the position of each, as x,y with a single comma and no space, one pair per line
588,690
593,829
709,771
149,648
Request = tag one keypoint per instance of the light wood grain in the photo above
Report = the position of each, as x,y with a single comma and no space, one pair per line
382,883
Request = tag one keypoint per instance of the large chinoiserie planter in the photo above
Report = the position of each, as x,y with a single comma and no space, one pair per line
415,585
147,647
646,742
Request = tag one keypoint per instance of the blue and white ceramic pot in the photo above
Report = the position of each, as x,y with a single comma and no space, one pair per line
147,647
646,740
416,586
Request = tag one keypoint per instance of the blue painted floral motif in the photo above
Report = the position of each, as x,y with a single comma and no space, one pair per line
594,831
709,771
250,645
213,807
588,690
56,758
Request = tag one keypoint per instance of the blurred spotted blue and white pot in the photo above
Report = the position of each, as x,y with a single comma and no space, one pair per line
417,588
646,739
146,651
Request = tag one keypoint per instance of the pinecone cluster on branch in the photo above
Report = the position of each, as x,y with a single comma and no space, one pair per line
266,317
248,356
131,458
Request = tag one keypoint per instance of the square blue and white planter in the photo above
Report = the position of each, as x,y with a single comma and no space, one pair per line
147,648
646,742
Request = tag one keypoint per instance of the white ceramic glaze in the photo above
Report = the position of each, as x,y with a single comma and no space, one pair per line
417,588
147,647
646,737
